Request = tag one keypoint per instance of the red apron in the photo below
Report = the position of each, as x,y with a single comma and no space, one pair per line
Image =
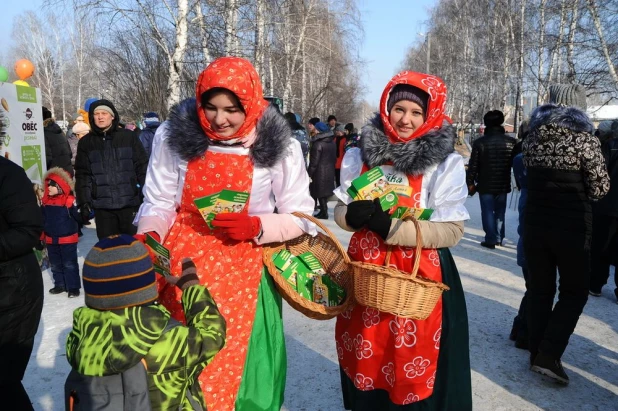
378,350
231,270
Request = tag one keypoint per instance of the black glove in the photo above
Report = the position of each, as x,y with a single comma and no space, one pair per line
358,214
85,211
380,221
40,245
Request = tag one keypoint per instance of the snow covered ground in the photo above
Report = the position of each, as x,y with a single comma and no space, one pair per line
500,376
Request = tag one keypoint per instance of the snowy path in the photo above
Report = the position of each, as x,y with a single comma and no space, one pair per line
500,376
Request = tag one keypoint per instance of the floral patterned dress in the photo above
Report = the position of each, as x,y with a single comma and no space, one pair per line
231,270
403,363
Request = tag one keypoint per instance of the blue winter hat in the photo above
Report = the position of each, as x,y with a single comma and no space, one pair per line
321,127
118,273
88,102
151,118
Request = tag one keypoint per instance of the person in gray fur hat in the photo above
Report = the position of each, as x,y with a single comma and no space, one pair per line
566,174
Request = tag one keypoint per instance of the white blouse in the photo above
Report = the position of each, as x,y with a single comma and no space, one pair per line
443,188
284,186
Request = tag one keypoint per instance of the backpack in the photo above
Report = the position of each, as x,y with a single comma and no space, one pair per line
127,390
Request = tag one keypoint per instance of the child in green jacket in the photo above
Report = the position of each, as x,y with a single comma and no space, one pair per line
122,324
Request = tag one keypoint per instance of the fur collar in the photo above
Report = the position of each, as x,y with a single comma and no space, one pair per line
566,117
187,139
414,157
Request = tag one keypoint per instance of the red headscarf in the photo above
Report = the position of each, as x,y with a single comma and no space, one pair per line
238,76
434,112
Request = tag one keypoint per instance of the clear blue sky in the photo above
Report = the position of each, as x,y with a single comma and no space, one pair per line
391,26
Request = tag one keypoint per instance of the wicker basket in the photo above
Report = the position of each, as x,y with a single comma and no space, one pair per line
396,292
333,258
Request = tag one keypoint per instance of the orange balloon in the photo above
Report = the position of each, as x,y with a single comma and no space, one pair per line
24,69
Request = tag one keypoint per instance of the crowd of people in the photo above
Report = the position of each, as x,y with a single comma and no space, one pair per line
216,320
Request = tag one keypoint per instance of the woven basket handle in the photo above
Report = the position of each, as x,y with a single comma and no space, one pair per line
327,231
417,252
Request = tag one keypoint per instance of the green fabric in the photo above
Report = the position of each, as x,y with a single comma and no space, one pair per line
453,385
110,342
263,380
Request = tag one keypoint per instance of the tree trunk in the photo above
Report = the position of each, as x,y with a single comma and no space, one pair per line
539,74
555,62
203,33
231,18
258,55
520,67
571,41
592,7
176,61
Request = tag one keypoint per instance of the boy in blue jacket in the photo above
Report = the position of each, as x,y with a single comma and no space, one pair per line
60,231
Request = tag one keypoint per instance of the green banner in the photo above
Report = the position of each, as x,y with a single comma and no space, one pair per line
26,94
31,162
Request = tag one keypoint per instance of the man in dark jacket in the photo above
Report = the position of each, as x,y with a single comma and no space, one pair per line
489,174
110,170
21,282
605,220
57,148
566,173
151,123
321,170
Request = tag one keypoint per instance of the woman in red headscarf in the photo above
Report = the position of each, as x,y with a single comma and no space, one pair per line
388,362
228,137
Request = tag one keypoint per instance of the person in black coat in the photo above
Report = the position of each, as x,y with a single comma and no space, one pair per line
110,171
321,170
605,219
21,282
489,174
566,174
57,149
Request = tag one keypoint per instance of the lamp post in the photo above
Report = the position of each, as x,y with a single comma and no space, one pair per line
428,39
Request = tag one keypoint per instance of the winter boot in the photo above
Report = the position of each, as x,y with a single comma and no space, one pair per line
323,214
547,365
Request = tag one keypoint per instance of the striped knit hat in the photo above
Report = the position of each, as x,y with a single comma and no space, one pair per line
118,273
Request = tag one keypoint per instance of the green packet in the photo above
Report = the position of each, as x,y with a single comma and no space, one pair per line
418,213
282,259
206,205
371,185
161,262
230,201
327,292
299,276
312,262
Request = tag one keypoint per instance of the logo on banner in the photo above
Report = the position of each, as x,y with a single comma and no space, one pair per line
28,113
26,94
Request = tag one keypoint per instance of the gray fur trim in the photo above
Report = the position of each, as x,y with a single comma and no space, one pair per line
414,157
187,139
571,118
60,172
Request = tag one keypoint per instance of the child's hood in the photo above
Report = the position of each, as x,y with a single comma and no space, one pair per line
61,177
110,342
63,180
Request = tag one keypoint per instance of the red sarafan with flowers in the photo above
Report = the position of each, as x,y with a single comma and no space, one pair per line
378,350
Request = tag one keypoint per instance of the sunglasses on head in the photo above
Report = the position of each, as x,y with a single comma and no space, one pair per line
52,183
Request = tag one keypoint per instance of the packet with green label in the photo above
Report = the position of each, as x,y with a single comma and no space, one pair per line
161,262
230,201
371,185
206,205
418,213
312,262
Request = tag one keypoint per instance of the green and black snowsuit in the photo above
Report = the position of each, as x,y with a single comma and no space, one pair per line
110,342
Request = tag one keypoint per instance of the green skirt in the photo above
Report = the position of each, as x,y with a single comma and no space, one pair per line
453,386
263,380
